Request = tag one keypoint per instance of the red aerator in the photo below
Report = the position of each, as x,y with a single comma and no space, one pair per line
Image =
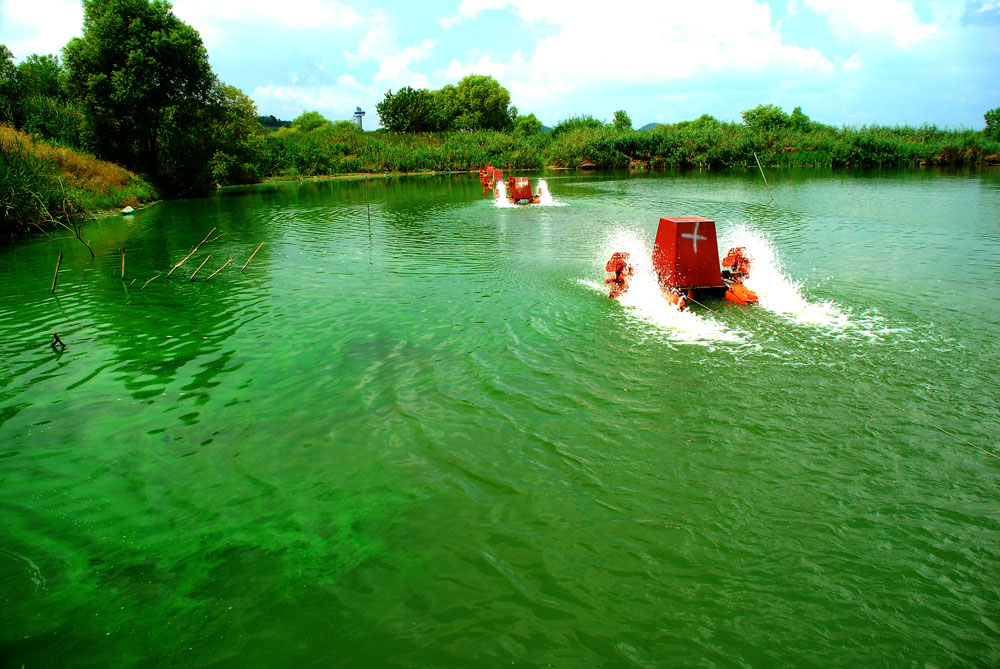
686,261
519,191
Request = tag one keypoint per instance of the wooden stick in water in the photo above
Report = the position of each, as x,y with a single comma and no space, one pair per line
123,264
762,175
193,251
148,280
56,275
220,269
200,266
251,256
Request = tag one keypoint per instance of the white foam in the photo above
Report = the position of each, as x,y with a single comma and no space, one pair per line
777,292
501,196
545,197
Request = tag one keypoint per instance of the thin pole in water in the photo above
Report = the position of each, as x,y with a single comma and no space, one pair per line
368,206
221,268
762,176
200,266
55,276
251,256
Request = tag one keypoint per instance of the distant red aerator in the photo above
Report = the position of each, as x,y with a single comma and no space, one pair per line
519,191
686,261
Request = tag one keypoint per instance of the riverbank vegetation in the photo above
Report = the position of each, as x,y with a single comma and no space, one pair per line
152,104
41,183
777,139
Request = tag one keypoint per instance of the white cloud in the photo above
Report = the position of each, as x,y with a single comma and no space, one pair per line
395,67
329,101
349,81
853,64
897,18
40,26
215,15
654,43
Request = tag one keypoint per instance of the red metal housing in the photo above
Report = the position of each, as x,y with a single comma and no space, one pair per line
686,254
521,189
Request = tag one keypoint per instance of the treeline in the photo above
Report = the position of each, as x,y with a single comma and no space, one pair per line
316,146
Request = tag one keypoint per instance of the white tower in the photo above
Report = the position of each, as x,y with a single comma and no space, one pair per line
358,114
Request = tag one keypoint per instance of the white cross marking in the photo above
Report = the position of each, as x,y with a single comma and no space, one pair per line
694,236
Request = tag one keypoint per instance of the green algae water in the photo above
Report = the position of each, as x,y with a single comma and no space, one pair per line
426,437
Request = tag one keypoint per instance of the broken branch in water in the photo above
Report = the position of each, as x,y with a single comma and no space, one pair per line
251,256
200,266
57,341
148,280
193,251
221,268
56,275
123,264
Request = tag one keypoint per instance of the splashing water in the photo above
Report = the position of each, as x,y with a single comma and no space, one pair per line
776,291
645,301
545,197
501,196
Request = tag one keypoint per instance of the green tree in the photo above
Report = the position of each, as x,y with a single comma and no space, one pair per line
622,121
143,79
239,144
8,84
309,121
481,103
992,123
408,110
575,123
766,118
526,126
799,121
40,75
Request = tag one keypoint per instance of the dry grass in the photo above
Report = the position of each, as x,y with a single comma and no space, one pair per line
40,183
79,169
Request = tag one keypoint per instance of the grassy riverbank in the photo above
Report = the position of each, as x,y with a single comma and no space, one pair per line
41,183
707,144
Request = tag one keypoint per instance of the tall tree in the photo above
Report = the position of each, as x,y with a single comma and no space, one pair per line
142,77
622,121
992,118
409,110
481,103
8,84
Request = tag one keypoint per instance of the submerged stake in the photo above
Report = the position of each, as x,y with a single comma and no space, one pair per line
193,251
56,275
200,266
221,268
251,256
762,175
123,264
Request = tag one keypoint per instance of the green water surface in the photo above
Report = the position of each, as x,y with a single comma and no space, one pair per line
428,439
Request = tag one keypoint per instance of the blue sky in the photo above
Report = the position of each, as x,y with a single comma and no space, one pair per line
853,62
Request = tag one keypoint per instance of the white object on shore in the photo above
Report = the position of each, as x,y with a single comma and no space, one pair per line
128,210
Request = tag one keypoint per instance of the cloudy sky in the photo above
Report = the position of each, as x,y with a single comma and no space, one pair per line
851,62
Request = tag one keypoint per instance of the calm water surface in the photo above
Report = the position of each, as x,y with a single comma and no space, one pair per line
429,439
